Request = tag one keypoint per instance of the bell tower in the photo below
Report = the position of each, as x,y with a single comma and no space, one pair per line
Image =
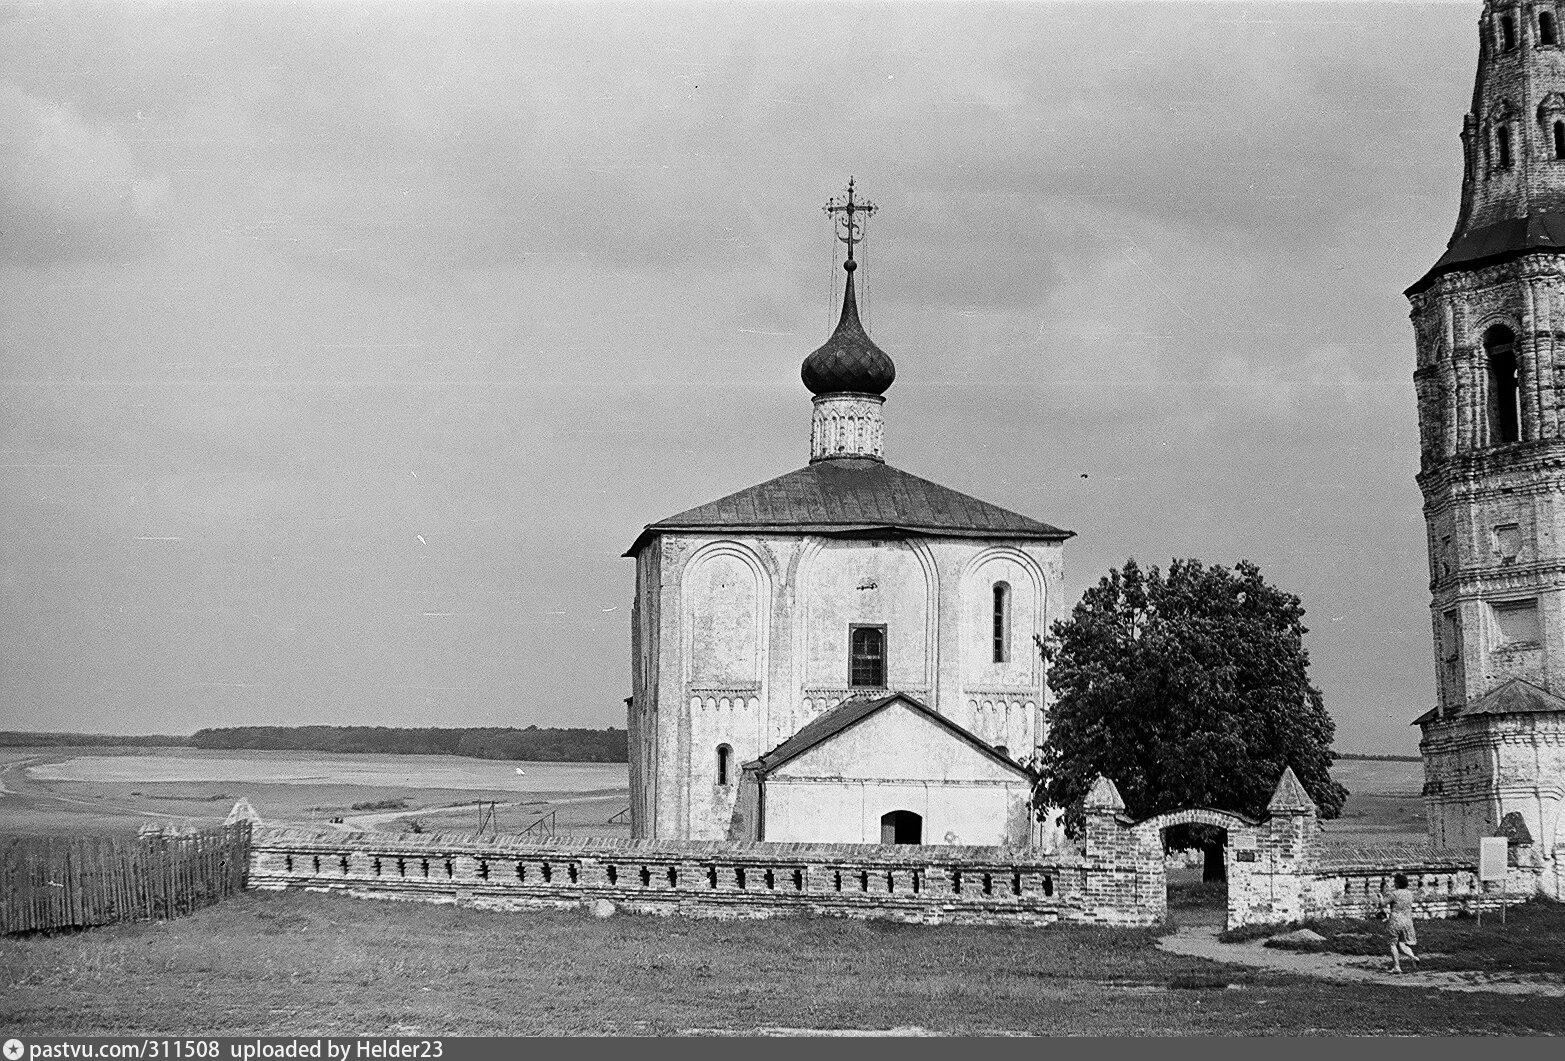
1489,324
1489,321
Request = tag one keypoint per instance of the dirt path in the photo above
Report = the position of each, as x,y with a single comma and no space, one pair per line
1202,942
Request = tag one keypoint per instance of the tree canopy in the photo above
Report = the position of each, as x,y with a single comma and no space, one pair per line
1188,689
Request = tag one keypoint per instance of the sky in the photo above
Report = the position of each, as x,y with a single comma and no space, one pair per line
344,347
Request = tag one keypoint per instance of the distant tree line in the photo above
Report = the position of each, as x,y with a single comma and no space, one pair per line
1381,758
10,738
531,744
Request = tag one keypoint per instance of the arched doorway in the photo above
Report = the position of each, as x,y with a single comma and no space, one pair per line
901,827
1195,860
1197,854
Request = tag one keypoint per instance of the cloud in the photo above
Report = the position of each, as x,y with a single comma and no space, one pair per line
70,190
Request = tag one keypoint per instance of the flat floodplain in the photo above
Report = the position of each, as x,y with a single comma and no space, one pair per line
75,791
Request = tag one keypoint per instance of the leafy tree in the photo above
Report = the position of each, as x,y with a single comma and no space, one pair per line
1187,690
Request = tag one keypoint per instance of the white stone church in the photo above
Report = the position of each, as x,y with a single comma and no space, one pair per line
844,653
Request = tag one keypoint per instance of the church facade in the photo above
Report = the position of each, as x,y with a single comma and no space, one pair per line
1489,321
784,611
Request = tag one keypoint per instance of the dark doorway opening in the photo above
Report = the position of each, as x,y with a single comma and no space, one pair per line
901,827
1196,864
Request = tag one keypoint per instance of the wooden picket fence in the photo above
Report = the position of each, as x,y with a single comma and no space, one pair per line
73,882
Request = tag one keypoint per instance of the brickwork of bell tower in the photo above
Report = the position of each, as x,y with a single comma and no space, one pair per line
1489,322
1489,326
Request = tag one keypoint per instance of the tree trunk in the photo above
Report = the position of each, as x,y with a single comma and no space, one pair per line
1215,868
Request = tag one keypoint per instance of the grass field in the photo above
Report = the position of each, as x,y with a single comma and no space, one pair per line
313,964
1531,938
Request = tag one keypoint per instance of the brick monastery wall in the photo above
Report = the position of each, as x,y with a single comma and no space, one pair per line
726,879
1280,870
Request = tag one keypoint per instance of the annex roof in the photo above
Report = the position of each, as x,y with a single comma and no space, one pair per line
850,713
1495,243
1516,696
853,496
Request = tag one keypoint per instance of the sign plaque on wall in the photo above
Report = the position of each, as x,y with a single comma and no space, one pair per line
1492,857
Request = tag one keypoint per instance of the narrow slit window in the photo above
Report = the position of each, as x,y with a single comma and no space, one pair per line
725,756
1507,33
1559,139
1002,622
1502,147
867,656
1548,31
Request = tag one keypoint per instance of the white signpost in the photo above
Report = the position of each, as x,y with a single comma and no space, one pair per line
1492,857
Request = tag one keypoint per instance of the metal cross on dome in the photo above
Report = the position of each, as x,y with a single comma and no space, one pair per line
844,211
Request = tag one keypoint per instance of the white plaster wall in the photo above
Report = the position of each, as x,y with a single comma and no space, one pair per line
897,759
987,568
847,583
709,630
849,811
894,744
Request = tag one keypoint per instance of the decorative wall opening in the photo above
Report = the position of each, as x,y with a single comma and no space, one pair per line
901,827
1516,624
1504,410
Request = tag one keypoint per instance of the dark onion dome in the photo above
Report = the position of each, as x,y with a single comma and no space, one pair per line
849,360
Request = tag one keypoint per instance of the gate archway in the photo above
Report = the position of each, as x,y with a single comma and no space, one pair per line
1192,897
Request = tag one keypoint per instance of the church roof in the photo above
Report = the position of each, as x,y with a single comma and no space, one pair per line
1514,697
850,713
853,496
1491,244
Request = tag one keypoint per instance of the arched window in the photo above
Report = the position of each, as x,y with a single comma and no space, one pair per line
1502,144
1548,32
1002,622
1499,344
1507,33
867,656
725,756
1559,139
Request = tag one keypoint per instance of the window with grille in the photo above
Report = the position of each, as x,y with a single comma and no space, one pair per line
1002,622
867,656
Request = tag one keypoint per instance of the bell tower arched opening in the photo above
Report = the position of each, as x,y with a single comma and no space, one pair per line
1499,346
